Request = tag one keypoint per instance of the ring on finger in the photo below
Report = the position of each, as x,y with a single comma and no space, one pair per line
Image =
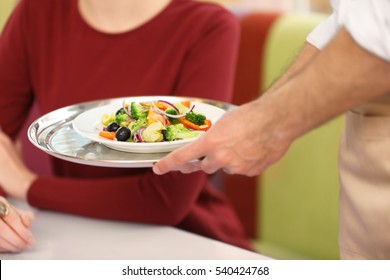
4,209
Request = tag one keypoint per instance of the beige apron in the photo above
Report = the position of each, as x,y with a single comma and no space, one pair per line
364,163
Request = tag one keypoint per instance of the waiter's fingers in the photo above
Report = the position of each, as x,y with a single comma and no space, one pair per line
183,159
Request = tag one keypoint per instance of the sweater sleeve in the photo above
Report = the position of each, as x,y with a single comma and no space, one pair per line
206,72
144,198
209,68
15,86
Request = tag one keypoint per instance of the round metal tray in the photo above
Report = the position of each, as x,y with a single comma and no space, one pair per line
53,133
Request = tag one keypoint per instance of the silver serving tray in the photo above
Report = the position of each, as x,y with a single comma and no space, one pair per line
53,133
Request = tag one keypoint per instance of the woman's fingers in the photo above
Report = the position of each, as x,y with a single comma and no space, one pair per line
5,245
27,217
14,232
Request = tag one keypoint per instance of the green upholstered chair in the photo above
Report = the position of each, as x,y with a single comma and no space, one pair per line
298,196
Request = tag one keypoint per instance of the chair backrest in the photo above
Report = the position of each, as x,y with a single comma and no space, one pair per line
299,194
241,190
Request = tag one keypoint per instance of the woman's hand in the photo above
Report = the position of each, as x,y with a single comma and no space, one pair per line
15,177
15,234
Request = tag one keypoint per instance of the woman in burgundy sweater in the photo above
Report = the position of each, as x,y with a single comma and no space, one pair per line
63,52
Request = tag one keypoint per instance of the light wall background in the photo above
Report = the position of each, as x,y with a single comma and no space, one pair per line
5,9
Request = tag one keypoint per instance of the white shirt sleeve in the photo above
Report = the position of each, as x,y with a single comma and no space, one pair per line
368,22
323,33
326,30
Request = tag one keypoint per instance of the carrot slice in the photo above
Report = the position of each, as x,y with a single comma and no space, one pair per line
186,103
191,125
153,117
107,134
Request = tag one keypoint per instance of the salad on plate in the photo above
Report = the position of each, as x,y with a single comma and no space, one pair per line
153,121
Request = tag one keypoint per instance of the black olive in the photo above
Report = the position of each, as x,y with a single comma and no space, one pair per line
112,126
122,134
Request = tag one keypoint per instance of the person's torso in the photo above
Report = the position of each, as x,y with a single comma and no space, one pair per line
71,62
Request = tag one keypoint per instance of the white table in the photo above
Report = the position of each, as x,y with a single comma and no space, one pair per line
61,236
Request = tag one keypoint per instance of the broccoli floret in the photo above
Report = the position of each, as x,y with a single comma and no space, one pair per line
135,125
120,112
121,119
195,118
179,131
172,111
138,111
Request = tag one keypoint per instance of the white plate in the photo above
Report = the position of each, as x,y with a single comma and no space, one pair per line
88,124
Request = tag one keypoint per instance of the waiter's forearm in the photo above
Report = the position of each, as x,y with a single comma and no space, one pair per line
340,77
304,58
